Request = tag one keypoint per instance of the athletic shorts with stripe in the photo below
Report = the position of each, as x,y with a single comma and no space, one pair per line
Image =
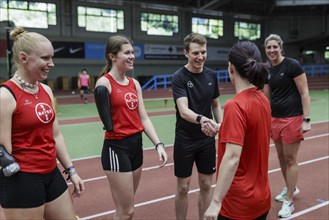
202,152
123,155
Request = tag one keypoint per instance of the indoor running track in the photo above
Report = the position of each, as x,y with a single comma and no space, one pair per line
155,196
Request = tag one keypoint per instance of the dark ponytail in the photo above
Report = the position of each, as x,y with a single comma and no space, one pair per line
246,58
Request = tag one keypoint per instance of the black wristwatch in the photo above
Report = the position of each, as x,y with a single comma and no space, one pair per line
198,118
307,119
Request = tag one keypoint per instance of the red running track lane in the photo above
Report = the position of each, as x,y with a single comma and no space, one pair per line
155,196
159,184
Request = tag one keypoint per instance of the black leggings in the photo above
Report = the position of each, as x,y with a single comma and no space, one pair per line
262,217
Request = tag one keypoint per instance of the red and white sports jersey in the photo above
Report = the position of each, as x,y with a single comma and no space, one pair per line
124,109
33,145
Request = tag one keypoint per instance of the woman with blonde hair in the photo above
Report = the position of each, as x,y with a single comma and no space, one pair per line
288,93
30,137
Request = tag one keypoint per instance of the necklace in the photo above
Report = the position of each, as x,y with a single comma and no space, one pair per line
29,87
23,83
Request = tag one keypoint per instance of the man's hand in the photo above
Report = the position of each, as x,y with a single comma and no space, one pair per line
209,127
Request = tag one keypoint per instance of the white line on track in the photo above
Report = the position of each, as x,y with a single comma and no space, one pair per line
171,164
196,190
171,145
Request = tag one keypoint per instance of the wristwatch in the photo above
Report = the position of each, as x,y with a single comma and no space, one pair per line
307,119
198,118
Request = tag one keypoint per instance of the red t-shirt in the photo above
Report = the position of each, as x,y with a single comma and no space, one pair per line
124,110
247,122
33,145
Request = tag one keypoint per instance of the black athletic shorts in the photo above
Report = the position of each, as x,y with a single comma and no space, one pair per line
29,190
84,88
124,155
202,152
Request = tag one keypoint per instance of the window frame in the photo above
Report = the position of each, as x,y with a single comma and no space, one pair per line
209,17
249,22
28,9
127,11
161,16
102,11
138,34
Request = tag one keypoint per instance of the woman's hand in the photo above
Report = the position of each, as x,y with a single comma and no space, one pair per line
306,126
162,155
78,184
213,211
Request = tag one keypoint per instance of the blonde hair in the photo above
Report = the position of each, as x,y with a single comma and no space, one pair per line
24,41
275,37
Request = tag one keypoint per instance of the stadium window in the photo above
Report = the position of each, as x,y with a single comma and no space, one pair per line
247,31
28,14
100,19
211,28
159,24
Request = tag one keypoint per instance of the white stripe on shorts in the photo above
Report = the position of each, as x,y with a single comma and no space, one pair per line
114,161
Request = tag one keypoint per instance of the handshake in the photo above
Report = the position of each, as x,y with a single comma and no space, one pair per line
7,162
209,127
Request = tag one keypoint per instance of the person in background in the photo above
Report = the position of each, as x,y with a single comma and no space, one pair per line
83,84
242,190
195,92
31,139
121,108
288,93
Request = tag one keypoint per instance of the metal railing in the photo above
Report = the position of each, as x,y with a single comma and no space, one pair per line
316,69
222,75
164,80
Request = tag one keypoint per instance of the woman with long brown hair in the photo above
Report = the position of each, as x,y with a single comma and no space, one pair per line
121,108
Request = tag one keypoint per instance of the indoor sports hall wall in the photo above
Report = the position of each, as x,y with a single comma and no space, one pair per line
162,54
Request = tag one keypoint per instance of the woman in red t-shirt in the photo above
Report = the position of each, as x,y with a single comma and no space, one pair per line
242,190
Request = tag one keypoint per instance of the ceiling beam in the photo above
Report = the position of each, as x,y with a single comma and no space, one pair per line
206,6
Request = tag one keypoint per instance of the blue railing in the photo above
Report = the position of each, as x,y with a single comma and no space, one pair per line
159,80
222,75
316,69
164,80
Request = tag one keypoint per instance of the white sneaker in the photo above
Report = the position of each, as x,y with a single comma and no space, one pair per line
283,194
286,209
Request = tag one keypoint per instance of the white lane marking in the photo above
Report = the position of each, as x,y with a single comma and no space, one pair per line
196,190
171,145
